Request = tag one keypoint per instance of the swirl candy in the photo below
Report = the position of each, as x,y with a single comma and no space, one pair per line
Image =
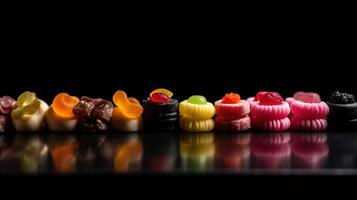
126,116
60,116
29,113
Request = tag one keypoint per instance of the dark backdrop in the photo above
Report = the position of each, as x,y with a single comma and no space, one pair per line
187,55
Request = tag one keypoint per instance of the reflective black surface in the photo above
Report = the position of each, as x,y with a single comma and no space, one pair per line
182,153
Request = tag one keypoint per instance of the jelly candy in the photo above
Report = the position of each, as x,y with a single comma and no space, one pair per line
197,99
129,107
307,97
63,104
26,98
259,95
231,98
162,91
271,98
159,98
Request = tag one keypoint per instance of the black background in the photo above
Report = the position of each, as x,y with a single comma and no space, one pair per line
188,54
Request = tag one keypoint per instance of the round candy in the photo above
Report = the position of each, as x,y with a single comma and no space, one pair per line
197,99
231,98
159,98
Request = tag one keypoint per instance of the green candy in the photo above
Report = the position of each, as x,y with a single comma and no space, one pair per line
197,99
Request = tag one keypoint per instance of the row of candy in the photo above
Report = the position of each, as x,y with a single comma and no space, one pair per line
160,112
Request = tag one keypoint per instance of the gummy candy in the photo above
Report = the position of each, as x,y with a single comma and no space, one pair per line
159,98
26,98
162,91
197,99
271,98
129,107
259,95
307,97
27,104
63,104
231,98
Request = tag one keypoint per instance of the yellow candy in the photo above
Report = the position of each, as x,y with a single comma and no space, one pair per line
196,111
193,125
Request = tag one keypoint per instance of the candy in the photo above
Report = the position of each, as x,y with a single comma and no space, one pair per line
160,111
130,107
270,125
232,111
231,98
168,93
240,124
63,105
259,95
192,125
308,110
307,97
270,112
271,98
341,98
6,105
57,123
196,111
159,98
93,114
197,99
308,124
29,112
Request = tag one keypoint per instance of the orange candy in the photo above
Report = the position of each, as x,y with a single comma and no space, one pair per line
63,105
231,98
130,108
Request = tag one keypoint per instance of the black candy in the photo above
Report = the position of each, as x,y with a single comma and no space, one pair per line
160,116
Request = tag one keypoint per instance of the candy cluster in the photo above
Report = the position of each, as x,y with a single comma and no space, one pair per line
266,111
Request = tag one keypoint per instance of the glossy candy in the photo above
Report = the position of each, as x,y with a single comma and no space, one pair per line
197,99
63,105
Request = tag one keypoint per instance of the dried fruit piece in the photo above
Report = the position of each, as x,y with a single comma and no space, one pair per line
259,95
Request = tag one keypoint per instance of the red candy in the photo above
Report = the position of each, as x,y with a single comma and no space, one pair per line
231,98
159,98
271,98
307,97
259,95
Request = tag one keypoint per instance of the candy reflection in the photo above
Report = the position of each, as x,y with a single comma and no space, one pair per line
270,151
128,154
32,152
309,151
197,151
160,151
8,159
232,151
63,152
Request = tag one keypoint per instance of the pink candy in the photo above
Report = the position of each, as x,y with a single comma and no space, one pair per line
233,125
308,112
